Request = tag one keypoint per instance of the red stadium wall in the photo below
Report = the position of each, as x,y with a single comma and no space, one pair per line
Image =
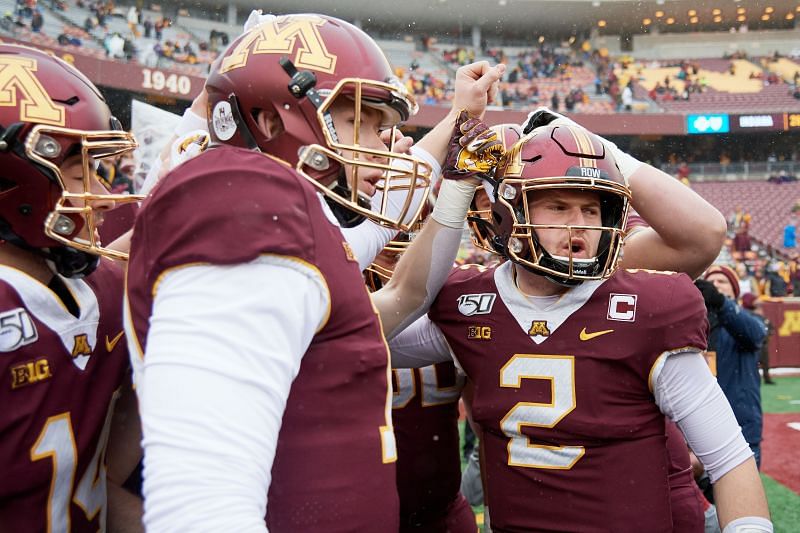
615,124
784,345
127,76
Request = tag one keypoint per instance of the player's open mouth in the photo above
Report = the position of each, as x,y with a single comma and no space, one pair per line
578,248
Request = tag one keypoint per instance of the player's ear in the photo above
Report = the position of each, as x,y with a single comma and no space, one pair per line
269,123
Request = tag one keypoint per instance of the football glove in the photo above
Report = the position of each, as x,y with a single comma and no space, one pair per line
474,149
712,297
188,146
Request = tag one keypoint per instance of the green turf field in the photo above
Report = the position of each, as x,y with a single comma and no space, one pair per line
783,397
784,506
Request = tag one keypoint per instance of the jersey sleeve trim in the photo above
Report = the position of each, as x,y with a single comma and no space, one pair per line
295,263
134,346
658,365
309,270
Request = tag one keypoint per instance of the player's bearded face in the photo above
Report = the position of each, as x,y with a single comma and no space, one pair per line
567,208
343,114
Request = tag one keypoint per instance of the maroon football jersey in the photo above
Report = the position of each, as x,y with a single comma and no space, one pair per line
334,465
571,435
685,497
425,418
59,376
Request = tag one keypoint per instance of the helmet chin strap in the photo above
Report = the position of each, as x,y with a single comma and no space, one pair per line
62,260
346,217
69,262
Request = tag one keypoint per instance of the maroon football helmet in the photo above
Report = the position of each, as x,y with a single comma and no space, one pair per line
558,157
479,216
50,112
294,67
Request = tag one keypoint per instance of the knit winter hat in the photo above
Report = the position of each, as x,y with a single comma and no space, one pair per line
728,272
749,300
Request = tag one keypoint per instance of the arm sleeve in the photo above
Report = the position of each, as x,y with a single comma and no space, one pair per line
224,346
368,238
687,392
746,329
420,344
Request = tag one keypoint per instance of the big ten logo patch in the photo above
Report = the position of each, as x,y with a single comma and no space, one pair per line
30,373
622,307
483,333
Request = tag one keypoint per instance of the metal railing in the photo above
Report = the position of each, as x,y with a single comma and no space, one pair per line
737,171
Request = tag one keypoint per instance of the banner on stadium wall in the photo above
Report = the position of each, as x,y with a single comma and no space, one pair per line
708,124
757,122
791,121
784,345
130,76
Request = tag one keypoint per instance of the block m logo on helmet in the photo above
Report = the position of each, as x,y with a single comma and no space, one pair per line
17,80
282,36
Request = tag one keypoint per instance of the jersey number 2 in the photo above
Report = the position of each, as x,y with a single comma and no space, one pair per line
560,371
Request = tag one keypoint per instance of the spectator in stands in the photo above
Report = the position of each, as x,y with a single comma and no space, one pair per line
741,239
555,103
133,21
159,28
627,97
148,28
66,40
794,275
736,336
128,49
684,171
7,22
777,282
37,21
790,233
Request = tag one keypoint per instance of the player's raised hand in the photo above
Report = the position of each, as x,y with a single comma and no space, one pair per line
476,86
474,149
399,144
544,116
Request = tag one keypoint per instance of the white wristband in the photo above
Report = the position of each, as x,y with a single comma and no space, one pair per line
749,524
190,121
453,202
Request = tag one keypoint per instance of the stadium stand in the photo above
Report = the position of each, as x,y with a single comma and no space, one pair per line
770,205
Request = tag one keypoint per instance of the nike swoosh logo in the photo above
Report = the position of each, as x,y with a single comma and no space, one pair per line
589,336
110,344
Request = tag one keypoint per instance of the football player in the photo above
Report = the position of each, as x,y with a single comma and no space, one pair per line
574,363
425,419
244,295
64,364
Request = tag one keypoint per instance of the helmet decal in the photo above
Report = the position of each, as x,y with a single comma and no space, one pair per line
18,80
283,35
